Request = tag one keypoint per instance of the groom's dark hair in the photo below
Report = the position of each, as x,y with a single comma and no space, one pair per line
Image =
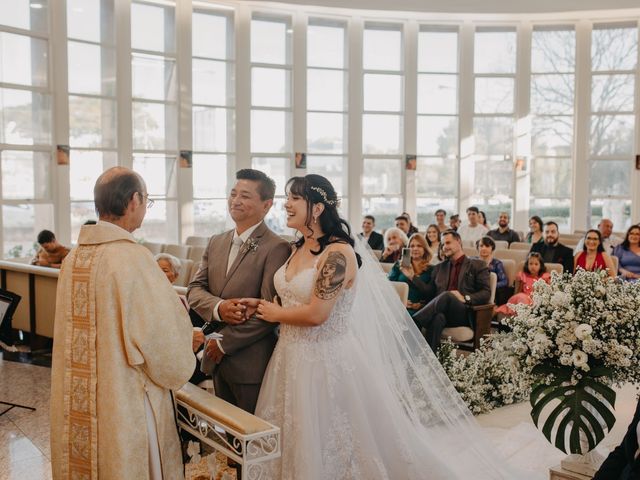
266,185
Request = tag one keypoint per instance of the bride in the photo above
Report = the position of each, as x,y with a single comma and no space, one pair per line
353,386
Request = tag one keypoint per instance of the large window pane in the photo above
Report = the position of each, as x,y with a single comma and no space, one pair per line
381,134
157,226
211,129
383,93
152,28
437,51
612,93
325,132
436,177
268,131
618,210
269,42
438,94
426,209
552,94
332,168
493,135
91,69
437,135
274,167
494,95
553,51
92,122
209,176
270,87
153,77
23,60
382,176
325,46
154,126
385,209
611,177
382,49
325,90
159,173
84,170
614,49
21,14
552,136
551,177
20,227
553,210
495,52
209,217
80,213
209,82
25,117
209,35
612,134
493,177
84,21
25,175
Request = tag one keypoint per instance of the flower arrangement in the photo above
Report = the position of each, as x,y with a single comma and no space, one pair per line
580,336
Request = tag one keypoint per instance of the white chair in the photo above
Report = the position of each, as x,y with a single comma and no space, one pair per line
510,271
402,289
194,241
386,267
501,244
377,253
515,255
180,251
520,246
616,263
154,248
185,272
470,251
195,253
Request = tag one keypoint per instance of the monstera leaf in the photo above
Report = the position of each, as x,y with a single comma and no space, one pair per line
574,409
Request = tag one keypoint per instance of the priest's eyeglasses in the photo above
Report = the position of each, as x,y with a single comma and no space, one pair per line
145,198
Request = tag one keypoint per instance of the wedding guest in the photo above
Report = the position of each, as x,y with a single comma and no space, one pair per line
373,238
609,240
533,270
456,285
441,215
482,220
503,232
486,246
535,230
51,252
394,241
623,463
412,228
454,222
403,224
473,231
552,250
593,257
169,265
628,253
433,240
419,270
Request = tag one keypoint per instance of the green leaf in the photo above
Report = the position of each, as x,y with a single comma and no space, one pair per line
575,409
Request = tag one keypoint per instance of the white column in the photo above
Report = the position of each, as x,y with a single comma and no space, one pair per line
635,178
410,112
58,70
243,87
123,82
581,168
355,34
466,166
185,141
299,85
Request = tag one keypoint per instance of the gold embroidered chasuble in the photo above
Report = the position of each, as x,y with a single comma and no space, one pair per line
120,333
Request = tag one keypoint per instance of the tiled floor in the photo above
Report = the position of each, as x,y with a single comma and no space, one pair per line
24,435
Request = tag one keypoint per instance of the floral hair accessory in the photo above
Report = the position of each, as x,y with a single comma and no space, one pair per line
325,199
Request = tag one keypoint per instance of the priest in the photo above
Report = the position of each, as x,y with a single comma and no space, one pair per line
122,343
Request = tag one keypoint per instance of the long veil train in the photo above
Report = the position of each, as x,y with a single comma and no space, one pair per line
401,357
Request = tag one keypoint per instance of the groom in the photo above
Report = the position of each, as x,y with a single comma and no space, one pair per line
236,264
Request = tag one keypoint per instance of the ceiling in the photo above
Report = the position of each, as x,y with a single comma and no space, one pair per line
474,6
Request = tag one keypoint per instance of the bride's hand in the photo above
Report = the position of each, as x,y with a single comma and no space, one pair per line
252,306
268,311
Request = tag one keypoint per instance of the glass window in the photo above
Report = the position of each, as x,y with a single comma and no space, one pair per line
495,52
382,48
270,87
269,41
25,14
381,134
614,48
383,93
210,81
438,51
325,132
210,35
152,27
21,224
26,118
25,175
326,46
23,60
326,90
438,94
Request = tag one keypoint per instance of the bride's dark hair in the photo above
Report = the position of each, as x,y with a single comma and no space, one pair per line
317,189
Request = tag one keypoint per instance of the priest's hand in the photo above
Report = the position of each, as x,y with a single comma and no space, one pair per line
231,311
269,311
213,351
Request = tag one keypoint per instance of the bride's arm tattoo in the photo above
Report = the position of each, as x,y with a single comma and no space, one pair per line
331,276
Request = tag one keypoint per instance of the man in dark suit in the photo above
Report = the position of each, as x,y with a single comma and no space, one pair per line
373,238
623,463
237,264
456,284
552,250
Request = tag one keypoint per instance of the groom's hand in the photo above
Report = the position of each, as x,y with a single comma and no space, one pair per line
231,311
213,351
251,304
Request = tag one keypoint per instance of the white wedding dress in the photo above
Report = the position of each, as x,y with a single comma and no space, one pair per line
342,416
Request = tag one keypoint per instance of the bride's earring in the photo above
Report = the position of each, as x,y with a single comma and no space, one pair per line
315,219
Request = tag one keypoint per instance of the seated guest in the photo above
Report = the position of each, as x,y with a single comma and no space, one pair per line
503,232
533,270
418,270
403,224
552,250
609,241
394,241
535,230
628,253
623,463
456,284
373,238
433,240
482,220
169,265
441,215
473,231
454,222
486,246
51,253
412,228
593,256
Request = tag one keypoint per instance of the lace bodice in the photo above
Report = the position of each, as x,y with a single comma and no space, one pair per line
298,291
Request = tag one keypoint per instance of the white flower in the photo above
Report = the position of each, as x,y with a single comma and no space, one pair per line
579,358
583,331
560,299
